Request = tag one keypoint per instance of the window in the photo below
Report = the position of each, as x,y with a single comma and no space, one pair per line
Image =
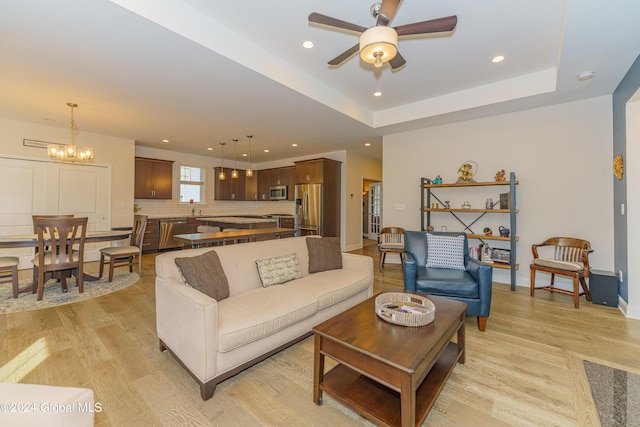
191,184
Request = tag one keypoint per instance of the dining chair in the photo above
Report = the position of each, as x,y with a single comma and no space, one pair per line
121,256
391,240
9,273
564,256
65,238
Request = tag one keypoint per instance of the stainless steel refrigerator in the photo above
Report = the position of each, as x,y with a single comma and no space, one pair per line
309,210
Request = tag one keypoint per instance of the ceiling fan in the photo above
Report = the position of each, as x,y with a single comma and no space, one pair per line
379,44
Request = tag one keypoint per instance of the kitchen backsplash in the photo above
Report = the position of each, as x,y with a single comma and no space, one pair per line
173,208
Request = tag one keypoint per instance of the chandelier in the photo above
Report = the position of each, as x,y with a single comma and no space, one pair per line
70,153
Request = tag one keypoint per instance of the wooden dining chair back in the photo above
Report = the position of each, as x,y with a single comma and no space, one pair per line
564,256
121,256
57,216
65,239
391,240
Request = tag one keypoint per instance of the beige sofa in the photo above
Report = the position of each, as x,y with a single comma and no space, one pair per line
215,340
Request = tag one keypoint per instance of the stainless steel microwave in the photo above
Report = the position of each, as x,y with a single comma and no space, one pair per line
278,192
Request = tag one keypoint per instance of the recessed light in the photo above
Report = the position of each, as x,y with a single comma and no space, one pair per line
210,148
367,144
377,93
308,44
497,59
244,154
165,140
585,75
294,145
266,150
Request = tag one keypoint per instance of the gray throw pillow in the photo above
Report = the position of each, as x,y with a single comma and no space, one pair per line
324,254
280,269
205,273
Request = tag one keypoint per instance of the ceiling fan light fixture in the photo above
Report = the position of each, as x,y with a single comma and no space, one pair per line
378,45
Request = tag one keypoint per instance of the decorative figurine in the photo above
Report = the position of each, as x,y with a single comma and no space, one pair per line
487,232
437,180
500,176
466,171
466,205
504,231
446,205
618,167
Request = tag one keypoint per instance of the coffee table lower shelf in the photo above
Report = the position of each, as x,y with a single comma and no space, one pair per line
381,404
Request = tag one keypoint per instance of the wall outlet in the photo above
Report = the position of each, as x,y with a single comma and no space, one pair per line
620,276
621,208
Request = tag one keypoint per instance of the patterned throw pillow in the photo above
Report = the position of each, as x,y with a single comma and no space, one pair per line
280,269
445,251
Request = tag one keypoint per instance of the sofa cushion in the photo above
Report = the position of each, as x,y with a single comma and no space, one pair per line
324,254
332,286
446,282
261,312
445,251
560,265
204,273
280,269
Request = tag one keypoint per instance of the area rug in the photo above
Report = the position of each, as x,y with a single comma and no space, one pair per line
616,394
54,296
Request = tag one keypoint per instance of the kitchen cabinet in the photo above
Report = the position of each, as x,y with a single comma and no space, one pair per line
153,179
251,187
151,239
273,177
316,171
286,222
229,188
264,184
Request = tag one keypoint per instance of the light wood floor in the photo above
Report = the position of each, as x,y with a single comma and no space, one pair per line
525,370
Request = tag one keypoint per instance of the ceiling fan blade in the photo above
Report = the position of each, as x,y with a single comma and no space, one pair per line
397,61
344,55
387,11
439,25
333,22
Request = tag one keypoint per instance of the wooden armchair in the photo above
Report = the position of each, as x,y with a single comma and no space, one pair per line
391,240
566,256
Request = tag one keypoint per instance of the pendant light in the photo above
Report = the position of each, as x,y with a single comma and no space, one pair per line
234,174
221,175
249,171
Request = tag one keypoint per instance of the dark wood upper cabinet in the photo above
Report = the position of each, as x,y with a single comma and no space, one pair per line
153,179
229,188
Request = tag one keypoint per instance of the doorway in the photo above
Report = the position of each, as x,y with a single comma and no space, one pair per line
374,210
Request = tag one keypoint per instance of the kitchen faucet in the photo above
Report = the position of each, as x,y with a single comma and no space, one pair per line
193,211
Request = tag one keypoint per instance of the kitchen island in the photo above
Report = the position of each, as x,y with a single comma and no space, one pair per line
243,223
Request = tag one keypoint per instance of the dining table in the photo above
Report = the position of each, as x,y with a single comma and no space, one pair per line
31,241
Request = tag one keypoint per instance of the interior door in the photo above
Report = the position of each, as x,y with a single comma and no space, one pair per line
375,210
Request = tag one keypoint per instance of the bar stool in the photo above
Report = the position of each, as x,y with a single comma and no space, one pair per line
9,273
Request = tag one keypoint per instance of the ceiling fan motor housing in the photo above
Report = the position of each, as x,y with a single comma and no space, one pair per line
379,43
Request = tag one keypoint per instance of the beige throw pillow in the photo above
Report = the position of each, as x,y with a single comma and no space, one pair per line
280,269
324,254
205,273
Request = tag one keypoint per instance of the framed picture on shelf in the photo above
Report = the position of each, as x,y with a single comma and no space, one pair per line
505,200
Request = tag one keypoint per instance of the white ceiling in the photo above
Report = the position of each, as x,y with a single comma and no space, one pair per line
200,72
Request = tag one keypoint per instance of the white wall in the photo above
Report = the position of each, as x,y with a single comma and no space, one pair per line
631,165
116,152
562,159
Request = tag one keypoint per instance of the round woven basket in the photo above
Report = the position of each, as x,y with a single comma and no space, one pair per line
405,309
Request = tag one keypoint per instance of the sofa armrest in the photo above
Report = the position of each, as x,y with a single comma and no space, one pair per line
483,274
409,272
187,322
357,262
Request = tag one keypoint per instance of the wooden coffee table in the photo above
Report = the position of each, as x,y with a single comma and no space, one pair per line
388,373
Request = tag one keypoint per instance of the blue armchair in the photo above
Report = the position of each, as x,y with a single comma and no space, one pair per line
469,281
